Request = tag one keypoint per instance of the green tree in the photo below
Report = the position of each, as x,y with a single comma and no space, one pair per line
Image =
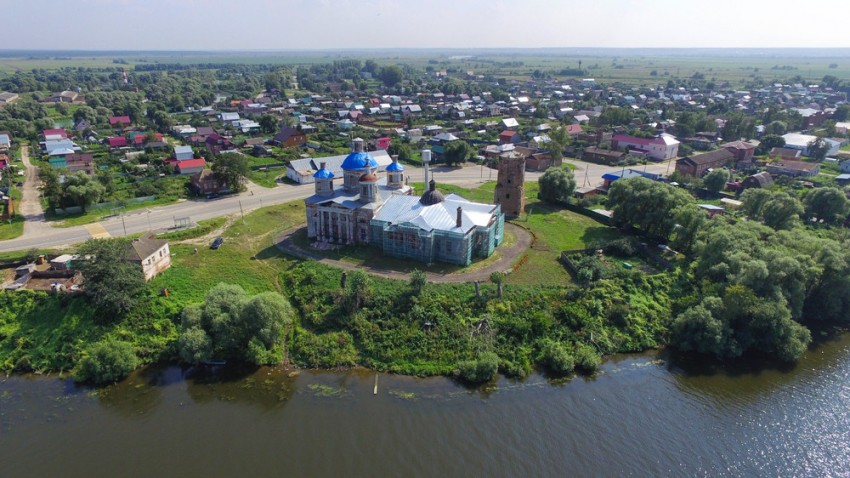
418,281
86,113
401,149
105,178
52,190
232,168
817,149
770,141
716,180
391,75
557,185
107,361
358,289
457,152
560,138
827,204
777,128
113,284
647,204
230,325
842,113
82,190
782,211
753,200
268,124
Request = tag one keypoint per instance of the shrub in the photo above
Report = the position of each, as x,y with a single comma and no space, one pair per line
555,356
107,361
480,370
418,280
623,247
587,360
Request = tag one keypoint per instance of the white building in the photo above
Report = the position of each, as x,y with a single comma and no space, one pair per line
151,254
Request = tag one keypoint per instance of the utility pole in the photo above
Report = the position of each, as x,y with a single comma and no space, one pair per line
242,211
124,224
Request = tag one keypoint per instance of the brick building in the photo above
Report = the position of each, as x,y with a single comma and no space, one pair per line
510,185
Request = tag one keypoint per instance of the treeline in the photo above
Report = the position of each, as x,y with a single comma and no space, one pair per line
750,286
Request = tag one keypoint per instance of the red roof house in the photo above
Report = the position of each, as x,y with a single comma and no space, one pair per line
383,143
55,132
191,166
508,137
117,142
119,121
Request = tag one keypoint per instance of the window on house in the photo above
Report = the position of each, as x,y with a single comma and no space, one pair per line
507,196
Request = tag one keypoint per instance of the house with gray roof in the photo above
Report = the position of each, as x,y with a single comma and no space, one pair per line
151,254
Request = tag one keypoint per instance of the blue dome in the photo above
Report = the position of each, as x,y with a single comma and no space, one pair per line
323,174
358,161
395,167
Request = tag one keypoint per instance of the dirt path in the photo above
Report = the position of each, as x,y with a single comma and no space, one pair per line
508,256
30,206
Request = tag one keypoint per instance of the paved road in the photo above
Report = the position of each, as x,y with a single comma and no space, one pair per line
44,236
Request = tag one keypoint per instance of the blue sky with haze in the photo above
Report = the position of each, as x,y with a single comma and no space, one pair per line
332,24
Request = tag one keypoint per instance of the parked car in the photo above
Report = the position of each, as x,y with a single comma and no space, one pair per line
217,243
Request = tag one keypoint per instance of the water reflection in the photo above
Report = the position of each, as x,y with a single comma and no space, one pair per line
642,415
265,387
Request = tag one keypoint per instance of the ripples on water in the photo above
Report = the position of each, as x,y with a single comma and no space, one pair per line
640,417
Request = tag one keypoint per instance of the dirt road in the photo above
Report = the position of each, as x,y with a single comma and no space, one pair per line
30,206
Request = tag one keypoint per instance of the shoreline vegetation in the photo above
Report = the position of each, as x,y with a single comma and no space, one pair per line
221,305
654,272
408,327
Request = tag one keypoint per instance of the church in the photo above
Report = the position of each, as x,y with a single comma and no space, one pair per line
383,212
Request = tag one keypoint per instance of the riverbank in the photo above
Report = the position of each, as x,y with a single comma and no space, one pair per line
395,328
788,421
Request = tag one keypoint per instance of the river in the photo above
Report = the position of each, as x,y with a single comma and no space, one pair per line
641,416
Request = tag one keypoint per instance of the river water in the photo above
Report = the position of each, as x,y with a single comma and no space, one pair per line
642,416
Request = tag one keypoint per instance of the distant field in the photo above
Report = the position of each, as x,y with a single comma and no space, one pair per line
636,69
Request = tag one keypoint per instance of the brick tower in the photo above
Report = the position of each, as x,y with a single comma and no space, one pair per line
510,185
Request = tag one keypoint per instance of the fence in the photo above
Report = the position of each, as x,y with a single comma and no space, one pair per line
122,203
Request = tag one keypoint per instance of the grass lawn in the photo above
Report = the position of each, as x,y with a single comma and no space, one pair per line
248,257
266,179
95,215
201,229
10,229
556,230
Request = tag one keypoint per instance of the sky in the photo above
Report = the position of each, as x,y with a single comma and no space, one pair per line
381,24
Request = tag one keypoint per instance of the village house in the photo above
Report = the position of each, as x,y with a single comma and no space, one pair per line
7,98
793,168
289,137
152,255
759,180
661,147
785,153
509,137
206,182
593,154
5,142
698,164
64,97
191,166
743,151
119,122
